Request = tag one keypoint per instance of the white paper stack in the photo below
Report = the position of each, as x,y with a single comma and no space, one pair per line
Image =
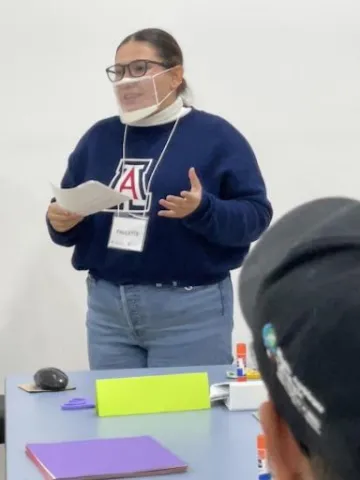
88,198
247,395
219,392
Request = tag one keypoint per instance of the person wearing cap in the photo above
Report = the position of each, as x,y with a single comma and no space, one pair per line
159,285
299,293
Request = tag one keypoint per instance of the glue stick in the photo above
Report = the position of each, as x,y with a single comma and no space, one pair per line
241,362
241,352
263,468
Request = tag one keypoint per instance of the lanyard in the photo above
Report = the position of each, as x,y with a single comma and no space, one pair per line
161,154
122,161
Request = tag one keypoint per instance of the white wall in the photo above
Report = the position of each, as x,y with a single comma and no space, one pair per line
286,73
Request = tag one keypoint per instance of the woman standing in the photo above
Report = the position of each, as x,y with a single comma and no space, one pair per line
159,287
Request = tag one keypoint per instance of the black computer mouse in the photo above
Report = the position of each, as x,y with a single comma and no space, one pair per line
51,378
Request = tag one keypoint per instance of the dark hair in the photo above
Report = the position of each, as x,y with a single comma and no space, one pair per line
165,45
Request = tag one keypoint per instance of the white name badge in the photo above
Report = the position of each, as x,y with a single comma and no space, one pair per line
128,233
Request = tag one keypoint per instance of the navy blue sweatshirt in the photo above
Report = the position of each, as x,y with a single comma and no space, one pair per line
196,250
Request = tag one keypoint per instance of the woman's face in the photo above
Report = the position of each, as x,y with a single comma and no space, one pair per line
135,60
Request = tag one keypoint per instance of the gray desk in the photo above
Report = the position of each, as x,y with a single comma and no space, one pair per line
217,444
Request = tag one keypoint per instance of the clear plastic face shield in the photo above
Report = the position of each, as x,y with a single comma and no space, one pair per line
139,97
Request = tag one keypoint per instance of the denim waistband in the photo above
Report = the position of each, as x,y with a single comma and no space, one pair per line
165,284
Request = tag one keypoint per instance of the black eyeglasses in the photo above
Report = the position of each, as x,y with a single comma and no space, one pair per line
137,68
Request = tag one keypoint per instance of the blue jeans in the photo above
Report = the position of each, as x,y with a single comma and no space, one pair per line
137,326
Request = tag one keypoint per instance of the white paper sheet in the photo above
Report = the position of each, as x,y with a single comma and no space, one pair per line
219,391
88,198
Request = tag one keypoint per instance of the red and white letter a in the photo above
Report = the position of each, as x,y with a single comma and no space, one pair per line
128,182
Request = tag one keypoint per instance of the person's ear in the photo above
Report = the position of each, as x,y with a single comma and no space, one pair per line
286,460
177,76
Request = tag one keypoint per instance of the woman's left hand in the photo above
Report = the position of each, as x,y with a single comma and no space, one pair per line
187,203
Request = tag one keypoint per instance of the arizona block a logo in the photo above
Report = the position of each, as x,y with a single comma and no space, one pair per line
132,180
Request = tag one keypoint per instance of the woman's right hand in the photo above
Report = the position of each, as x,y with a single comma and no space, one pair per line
61,220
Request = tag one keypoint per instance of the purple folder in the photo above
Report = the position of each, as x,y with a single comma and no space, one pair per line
104,459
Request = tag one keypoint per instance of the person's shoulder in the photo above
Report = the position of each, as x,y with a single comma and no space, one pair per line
105,126
220,128
99,131
216,123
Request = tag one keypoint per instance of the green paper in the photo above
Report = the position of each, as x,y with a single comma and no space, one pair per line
152,394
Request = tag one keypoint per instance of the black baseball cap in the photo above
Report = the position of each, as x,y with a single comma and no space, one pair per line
300,295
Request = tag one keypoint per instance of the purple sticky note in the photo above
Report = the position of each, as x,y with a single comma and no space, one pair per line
77,404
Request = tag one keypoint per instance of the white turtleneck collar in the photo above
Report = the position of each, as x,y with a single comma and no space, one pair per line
167,115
